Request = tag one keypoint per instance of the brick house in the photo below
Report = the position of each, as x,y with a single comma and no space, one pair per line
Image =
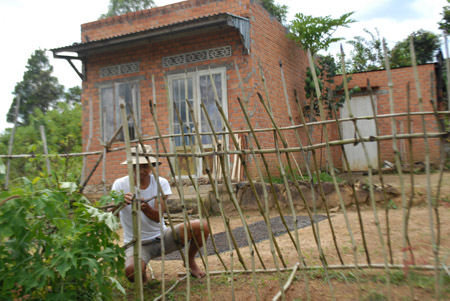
135,56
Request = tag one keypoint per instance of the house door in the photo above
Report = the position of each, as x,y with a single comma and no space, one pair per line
360,106
197,88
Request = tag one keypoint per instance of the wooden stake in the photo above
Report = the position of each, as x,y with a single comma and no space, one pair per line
136,212
44,142
11,142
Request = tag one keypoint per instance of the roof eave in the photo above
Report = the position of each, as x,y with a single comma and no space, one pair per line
208,23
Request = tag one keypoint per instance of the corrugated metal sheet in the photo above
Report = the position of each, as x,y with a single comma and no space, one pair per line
243,25
240,23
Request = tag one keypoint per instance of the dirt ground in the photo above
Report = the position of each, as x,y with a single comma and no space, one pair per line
415,285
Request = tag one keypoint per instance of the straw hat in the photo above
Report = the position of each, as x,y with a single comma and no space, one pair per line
142,159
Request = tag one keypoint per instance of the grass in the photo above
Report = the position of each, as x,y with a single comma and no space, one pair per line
419,280
323,176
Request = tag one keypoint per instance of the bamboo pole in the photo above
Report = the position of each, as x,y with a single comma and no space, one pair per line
265,214
161,223
319,246
230,132
215,190
172,172
185,219
352,184
286,97
427,170
295,180
398,163
44,142
104,171
257,151
411,166
441,164
226,176
194,182
270,181
249,178
162,297
179,183
288,283
11,142
336,267
251,243
332,173
380,173
107,146
136,213
291,203
371,192
88,145
221,159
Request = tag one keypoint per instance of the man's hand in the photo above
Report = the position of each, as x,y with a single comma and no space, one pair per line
145,207
128,198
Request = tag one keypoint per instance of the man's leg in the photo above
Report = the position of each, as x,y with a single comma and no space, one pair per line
195,231
129,269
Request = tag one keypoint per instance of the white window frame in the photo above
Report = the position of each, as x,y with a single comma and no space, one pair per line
197,109
136,100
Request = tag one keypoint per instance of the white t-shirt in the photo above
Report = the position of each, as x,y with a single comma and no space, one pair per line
149,228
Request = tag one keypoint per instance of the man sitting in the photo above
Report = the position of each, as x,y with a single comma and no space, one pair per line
150,222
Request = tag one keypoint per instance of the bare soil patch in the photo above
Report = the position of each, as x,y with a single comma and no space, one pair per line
420,285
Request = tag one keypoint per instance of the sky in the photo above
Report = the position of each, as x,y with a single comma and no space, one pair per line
28,25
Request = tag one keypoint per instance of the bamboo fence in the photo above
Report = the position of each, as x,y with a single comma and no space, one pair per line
286,155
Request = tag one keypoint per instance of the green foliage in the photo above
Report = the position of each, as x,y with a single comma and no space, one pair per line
445,22
63,134
426,44
277,10
367,55
38,89
73,95
326,70
391,204
56,246
120,7
316,33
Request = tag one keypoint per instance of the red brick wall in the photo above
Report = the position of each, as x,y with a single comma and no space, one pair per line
268,45
400,79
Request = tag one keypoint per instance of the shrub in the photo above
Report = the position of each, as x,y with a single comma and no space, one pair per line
55,245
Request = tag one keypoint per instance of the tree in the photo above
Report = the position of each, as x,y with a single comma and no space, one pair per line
367,55
316,33
38,89
426,44
73,95
276,10
63,134
445,22
120,7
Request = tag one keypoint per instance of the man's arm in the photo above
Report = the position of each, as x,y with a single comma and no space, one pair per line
152,212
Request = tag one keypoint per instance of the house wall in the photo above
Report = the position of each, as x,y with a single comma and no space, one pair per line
268,45
401,77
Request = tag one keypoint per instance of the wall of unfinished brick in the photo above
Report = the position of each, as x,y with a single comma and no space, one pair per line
269,45
401,77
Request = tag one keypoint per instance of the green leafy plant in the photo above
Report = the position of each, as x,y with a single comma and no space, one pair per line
277,10
54,245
